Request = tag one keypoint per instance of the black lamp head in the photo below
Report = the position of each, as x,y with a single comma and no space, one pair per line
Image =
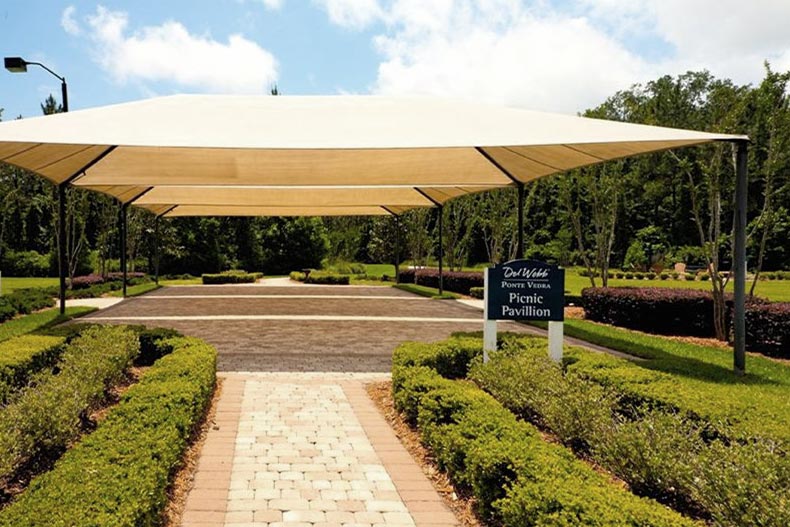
15,64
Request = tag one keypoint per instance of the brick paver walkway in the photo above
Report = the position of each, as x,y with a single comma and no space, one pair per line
296,440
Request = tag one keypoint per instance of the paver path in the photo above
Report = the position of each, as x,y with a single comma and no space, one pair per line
296,440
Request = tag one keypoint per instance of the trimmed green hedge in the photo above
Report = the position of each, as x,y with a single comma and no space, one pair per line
23,356
231,277
517,478
118,475
660,450
324,278
24,301
298,276
42,419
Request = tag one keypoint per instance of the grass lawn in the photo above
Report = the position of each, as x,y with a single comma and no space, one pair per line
378,270
429,292
776,290
691,377
136,290
11,283
41,320
191,281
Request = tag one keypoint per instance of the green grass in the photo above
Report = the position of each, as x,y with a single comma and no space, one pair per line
776,290
135,290
41,320
429,292
696,378
11,283
378,270
191,281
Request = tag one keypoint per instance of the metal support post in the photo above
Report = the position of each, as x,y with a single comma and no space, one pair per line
440,208
123,244
62,264
739,257
397,249
156,250
489,326
520,248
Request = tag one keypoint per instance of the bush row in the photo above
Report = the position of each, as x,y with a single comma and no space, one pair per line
660,452
455,281
23,302
42,419
132,455
667,311
86,281
23,356
324,278
231,278
516,477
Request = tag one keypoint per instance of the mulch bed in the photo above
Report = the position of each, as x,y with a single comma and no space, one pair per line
462,506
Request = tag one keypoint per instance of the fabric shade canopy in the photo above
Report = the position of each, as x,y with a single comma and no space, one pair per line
212,154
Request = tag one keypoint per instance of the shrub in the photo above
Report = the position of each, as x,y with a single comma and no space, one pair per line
585,273
298,276
25,263
664,276
133,453
629,276
341,267
455,281
516,477
323,278
45,417
22,356
650,275
84,282
477,292
652,309
639,276
619,274
675,275
703,276
406,276
229,278
768,328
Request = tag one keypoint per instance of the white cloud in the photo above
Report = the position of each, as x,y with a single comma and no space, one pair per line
570,56
352,14
68,22
170,53
273,5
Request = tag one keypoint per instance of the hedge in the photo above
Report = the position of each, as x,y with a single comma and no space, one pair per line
516,477
668,311
22,356
298,276
662,451
768,328
231,278
131,456
456,281
323,278
23,302
42,419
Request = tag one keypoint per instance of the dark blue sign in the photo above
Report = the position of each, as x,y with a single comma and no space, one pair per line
526,290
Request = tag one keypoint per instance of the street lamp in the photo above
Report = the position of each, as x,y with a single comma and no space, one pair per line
19,65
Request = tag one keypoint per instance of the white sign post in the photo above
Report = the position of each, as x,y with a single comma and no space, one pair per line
524,290
489,324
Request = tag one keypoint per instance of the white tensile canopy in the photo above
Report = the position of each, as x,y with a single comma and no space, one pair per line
199,155
173,154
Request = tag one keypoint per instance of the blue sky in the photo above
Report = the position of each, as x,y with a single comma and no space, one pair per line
563,55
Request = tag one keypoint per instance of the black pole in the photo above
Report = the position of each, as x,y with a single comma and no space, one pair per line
62,245
440,208
397,249
64,92
739,257
156,250
123,245
520,247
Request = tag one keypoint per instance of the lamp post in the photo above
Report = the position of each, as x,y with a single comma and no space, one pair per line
19,65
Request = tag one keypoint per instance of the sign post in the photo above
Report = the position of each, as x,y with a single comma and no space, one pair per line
524,290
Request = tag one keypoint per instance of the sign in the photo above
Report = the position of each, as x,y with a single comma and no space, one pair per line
526,290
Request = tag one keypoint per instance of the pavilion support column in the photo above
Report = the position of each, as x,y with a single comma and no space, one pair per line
62,264
440,209
520,238
156,250
124,211
397,249
739,257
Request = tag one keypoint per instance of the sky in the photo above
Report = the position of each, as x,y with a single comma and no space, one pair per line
552,55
